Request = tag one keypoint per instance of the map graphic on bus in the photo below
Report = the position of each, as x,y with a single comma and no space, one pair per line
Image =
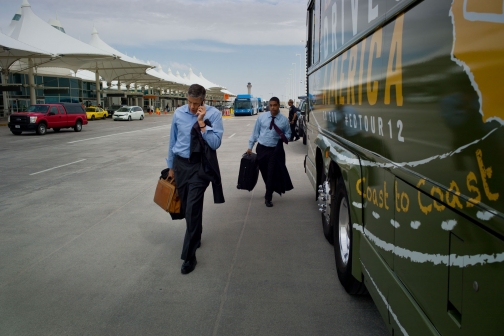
478,24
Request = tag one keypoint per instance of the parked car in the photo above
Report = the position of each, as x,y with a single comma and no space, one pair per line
301,124
95,112
129,113
111,109
41,117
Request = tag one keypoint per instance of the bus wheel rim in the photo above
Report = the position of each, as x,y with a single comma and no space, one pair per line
344,231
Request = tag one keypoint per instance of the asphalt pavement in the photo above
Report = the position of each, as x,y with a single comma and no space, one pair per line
85,251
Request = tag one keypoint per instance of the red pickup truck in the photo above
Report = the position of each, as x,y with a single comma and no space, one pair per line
40,117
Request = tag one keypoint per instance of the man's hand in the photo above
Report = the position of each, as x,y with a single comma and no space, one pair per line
171,174
201,113
249,151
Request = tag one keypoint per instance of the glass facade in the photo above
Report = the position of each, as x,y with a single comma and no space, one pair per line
52,89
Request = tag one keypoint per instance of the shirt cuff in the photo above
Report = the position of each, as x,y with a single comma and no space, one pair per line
208,128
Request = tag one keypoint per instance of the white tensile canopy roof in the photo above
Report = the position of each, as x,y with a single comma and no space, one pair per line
162,82
35,32
213,89
32,42
173,82
15,20
12,50
199,80
228,93
119,68
176,79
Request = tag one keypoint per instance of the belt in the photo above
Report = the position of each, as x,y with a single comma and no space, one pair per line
260,144
195,158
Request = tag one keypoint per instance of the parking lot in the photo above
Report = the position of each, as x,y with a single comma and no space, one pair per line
84,250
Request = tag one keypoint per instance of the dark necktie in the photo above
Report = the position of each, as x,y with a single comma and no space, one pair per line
280,133
272,122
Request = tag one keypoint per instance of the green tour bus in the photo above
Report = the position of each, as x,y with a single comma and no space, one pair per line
406,156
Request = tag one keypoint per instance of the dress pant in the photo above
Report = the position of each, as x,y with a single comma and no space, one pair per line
191,189
294,134
266,158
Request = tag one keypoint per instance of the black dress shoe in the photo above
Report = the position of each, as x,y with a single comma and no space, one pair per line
269,204
296,139
188,266
198,245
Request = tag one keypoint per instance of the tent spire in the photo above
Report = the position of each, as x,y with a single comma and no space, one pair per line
25,4
57,24
17,16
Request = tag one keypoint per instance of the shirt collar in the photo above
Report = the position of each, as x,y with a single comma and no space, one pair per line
270,116
185,109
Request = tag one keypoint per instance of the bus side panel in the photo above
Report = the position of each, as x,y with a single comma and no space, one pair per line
311,171
476,276
395,304
311,156
421,253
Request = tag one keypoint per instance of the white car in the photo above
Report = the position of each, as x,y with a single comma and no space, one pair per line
129,113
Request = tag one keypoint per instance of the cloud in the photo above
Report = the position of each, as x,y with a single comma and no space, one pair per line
179,66
202,46
154,22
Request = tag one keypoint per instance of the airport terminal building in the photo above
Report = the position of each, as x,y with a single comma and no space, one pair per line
40,63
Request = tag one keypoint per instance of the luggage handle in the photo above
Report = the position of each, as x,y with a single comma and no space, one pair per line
170,180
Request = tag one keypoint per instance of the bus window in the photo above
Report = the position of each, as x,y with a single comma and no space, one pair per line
243,104
315,32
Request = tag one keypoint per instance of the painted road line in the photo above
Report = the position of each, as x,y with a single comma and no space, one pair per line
109,135
241,119
68,164
232,135
108,129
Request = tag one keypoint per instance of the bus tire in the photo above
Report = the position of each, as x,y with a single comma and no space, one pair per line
325,197
343,241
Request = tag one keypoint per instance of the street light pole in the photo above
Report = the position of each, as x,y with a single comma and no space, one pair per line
295,87
287,88
301,71
290,87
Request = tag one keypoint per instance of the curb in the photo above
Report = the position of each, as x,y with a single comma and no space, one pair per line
3,124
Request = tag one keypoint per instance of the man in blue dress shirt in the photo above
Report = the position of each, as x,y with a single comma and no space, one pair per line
185,157
267,137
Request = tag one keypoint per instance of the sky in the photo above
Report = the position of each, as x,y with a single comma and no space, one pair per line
231,42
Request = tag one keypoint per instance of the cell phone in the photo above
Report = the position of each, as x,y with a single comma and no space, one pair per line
202,103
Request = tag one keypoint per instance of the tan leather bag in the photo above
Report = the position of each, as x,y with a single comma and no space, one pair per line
166,196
